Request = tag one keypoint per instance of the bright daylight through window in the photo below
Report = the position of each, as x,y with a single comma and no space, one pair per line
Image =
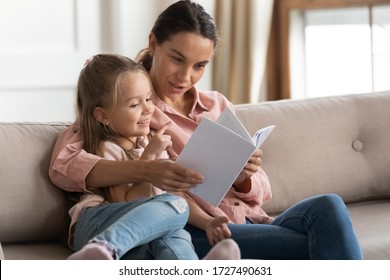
339,51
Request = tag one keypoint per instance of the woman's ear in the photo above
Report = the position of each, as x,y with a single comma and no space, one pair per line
152,44
100,115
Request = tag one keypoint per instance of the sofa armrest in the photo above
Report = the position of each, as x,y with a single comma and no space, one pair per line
1,253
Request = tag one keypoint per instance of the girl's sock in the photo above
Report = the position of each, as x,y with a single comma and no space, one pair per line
93,251
226,249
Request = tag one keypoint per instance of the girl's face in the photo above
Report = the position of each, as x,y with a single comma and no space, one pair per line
131,116
178,63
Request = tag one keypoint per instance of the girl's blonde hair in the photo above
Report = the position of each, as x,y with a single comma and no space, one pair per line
98,86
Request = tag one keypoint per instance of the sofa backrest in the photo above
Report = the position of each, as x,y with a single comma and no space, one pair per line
323,145
31,208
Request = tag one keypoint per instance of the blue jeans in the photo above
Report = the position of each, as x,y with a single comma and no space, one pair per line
315,228
150,228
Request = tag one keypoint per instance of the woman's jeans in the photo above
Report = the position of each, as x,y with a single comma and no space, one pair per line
315,228
150,228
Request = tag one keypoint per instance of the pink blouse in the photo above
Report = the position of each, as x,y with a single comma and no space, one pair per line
70,164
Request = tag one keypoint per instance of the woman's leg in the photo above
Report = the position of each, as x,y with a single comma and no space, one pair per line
124,226
258,241
326,222
315,228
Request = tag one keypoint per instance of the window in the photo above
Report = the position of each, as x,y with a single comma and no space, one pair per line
322,47
339,51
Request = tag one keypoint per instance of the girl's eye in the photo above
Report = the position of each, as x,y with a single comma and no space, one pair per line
133,105
149,99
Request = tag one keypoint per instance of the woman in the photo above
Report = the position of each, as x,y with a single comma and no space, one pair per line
181,44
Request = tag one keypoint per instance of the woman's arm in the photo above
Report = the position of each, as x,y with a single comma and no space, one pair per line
164,174
73,169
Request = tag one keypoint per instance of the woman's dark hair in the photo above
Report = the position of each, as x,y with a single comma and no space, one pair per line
182,16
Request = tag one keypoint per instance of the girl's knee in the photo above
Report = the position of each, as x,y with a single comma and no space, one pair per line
175,202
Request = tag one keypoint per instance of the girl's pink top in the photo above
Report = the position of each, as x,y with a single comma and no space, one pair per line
70,164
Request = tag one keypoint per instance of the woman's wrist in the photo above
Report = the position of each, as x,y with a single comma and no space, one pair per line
244,186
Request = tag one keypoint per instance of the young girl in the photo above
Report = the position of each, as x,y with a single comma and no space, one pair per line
132,221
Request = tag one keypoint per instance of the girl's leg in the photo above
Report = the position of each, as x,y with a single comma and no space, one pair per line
326,222
175,245
225,250
123,226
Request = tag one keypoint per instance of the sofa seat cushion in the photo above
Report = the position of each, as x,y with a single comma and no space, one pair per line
371,221
36,251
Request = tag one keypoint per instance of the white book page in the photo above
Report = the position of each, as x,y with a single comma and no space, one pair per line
230,121
262,134
219,155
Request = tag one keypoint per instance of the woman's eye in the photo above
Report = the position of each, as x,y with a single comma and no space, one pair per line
177,59
200,66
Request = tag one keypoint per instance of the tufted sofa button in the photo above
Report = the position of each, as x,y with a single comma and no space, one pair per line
357,145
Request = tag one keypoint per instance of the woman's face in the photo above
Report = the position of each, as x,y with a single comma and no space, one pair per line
178,63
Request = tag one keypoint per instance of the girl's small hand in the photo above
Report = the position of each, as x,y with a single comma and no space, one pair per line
217,230
251,167
158,143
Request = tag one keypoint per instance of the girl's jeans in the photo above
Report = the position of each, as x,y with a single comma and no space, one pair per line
150,228
315,228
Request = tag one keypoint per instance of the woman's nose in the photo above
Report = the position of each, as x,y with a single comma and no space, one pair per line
184,74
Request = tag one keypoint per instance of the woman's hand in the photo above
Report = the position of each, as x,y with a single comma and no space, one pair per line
251,167
171,177
217,230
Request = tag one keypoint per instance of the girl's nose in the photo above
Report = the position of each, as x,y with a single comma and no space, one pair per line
147,107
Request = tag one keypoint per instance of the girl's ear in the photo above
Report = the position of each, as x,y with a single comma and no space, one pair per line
100,115
152,44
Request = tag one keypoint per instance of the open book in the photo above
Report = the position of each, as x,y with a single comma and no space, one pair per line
219,150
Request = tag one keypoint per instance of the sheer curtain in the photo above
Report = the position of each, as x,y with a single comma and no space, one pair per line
239,64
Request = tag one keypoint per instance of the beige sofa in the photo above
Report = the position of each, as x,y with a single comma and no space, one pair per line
323,145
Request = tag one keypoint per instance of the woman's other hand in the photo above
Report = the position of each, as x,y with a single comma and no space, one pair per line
251,167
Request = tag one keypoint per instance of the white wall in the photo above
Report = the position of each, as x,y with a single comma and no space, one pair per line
44,44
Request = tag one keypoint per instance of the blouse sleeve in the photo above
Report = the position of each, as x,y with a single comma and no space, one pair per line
260,191
70,164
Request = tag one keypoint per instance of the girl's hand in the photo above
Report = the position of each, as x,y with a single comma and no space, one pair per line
251,167
158,143
217,230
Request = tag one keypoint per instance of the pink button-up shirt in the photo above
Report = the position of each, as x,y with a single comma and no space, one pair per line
70,164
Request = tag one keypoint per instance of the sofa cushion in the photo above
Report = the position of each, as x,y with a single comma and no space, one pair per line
371,221
32,208
335,144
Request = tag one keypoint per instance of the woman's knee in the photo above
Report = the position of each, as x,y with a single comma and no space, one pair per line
329,200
